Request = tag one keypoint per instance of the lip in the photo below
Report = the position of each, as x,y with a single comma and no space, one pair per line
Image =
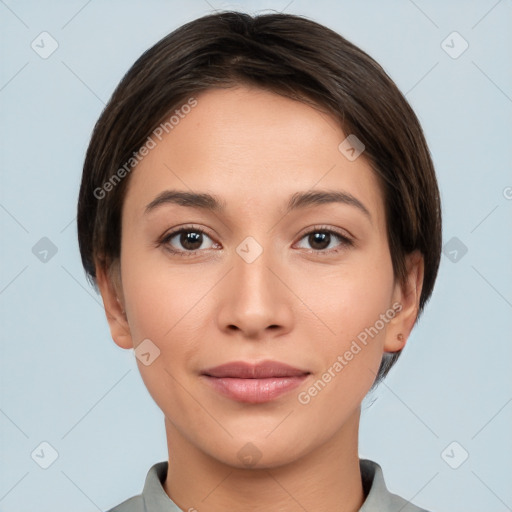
254,382
260,370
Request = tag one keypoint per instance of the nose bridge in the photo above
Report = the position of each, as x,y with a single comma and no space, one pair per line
255,298
253,279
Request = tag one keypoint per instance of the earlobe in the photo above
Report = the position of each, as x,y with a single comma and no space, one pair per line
394,343
109,284
408,295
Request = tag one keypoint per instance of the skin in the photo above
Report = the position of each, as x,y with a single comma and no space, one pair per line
297,303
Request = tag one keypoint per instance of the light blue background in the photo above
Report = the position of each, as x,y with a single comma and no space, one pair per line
64,381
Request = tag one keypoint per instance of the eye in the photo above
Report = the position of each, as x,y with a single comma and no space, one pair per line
321,240
190,239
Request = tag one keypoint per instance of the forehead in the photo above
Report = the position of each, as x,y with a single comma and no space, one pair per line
254,148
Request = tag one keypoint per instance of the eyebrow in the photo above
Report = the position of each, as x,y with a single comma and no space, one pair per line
297,201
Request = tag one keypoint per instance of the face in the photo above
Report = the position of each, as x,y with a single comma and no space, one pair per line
275,272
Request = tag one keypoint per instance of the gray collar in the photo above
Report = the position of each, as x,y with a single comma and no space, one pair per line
378,498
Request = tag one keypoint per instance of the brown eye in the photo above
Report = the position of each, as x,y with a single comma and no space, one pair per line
186,240
321,240
190,240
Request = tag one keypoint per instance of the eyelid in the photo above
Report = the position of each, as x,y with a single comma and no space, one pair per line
346,239
172,232
343,233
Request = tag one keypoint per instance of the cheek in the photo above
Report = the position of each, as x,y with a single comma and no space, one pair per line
355,305
168,304
351,356
164,306
150,309
163,310
350,297
157,295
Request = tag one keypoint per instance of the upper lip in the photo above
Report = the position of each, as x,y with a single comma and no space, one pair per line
260,370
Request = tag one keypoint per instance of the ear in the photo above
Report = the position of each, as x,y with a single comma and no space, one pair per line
406,295
109,284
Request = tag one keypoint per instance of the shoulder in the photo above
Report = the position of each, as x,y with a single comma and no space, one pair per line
134,504
378,497
397,503
152,497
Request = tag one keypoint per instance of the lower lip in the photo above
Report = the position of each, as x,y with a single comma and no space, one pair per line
255,391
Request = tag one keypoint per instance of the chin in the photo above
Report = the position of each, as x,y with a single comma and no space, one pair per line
253,452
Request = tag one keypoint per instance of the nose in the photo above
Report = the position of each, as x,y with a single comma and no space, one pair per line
254,301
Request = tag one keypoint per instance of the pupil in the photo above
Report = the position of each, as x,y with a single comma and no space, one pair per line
320,238
317,240
190,238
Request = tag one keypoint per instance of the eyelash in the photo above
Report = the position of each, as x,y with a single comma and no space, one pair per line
345,242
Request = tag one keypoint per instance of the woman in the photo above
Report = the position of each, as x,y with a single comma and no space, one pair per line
260,213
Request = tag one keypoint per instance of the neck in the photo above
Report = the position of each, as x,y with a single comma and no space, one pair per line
327,478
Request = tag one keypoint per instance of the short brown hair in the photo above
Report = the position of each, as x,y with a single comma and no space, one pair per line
290,55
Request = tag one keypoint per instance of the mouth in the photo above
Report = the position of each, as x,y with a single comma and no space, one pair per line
254,383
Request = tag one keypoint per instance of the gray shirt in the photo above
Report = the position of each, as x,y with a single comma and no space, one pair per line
378,498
